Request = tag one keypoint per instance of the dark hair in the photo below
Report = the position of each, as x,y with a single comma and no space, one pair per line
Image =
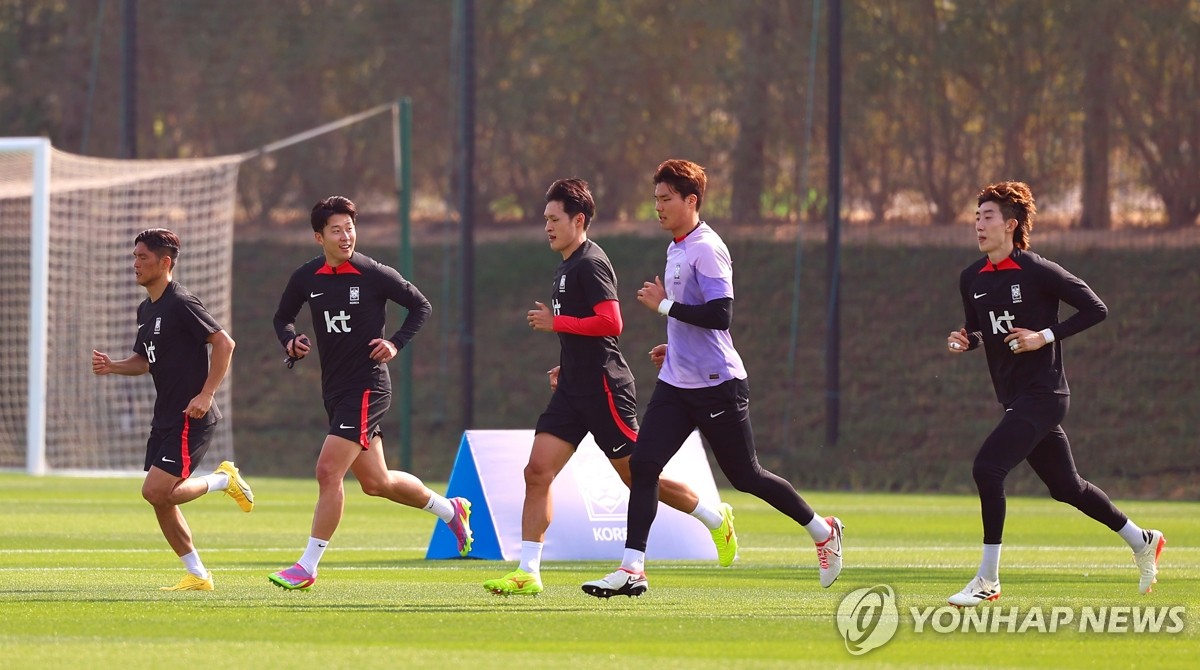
334,204
161,242
1015,200
575,197
684,177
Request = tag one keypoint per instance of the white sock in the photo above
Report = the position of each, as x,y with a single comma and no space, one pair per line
709,516
312,555
634,560
531,557
194,565
818,530
1135,537
989,567
217,481
440,506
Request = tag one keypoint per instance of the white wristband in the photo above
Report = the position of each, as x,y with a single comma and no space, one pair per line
1047,334
664,307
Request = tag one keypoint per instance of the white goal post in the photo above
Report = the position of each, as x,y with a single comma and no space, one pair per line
67,225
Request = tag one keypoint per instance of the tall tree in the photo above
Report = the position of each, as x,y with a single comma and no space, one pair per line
756,27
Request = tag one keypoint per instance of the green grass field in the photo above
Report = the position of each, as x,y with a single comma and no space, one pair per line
81,561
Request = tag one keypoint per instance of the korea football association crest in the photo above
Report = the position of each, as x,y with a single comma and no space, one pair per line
1016,293
158,325
355,293
562,284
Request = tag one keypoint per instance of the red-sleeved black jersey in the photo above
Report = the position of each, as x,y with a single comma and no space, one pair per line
349,309
1024,291
580,282
173,336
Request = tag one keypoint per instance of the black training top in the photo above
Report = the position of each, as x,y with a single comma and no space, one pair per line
1024,291
582,281
348,306
172,335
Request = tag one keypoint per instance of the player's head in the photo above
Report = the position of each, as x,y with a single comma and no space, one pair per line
333,228
576,198
326,208
1015,202
684,178
155,253
569,212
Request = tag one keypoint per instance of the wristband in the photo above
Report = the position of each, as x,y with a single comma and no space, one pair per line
1048,334
664,307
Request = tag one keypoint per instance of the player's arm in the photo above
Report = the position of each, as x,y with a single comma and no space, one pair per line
135,365
971,334
1090,310
715,314
402,292
605,320
295,346
218,367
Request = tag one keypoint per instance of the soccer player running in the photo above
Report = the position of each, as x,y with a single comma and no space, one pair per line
174,331
593,388
701,384
1010,299
347,293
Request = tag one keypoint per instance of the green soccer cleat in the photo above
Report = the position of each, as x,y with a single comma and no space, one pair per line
725,537
516,583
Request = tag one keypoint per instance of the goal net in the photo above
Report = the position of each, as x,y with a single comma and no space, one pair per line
67,225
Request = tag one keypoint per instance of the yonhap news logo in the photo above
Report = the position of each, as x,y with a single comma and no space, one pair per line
868,618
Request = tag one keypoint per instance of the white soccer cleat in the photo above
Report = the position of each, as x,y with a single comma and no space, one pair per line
1147,561
619,583
829,553
977,591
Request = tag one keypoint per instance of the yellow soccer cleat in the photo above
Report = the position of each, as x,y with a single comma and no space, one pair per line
237,489
725,537
191,582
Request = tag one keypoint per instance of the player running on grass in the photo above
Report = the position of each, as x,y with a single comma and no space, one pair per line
593,388
701,384
347,294
173,333
1011,298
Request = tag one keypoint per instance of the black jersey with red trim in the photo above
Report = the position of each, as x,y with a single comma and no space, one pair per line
1024,291
349,309
173,335
580,282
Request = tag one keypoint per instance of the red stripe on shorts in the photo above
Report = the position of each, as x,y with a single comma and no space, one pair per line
362,424
185,452
612,408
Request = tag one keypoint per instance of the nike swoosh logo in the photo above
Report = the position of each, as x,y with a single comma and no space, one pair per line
344,426
315,295
167,460
616,449
715,415
979,295
140,326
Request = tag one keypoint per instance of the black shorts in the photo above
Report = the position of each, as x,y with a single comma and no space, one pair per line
611,418
356,416
178,449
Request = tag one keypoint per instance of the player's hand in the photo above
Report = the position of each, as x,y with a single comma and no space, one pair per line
299,347
541,318
101,363
199,406
553,374
657,355
1023,340
382,350
651,295
957,342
